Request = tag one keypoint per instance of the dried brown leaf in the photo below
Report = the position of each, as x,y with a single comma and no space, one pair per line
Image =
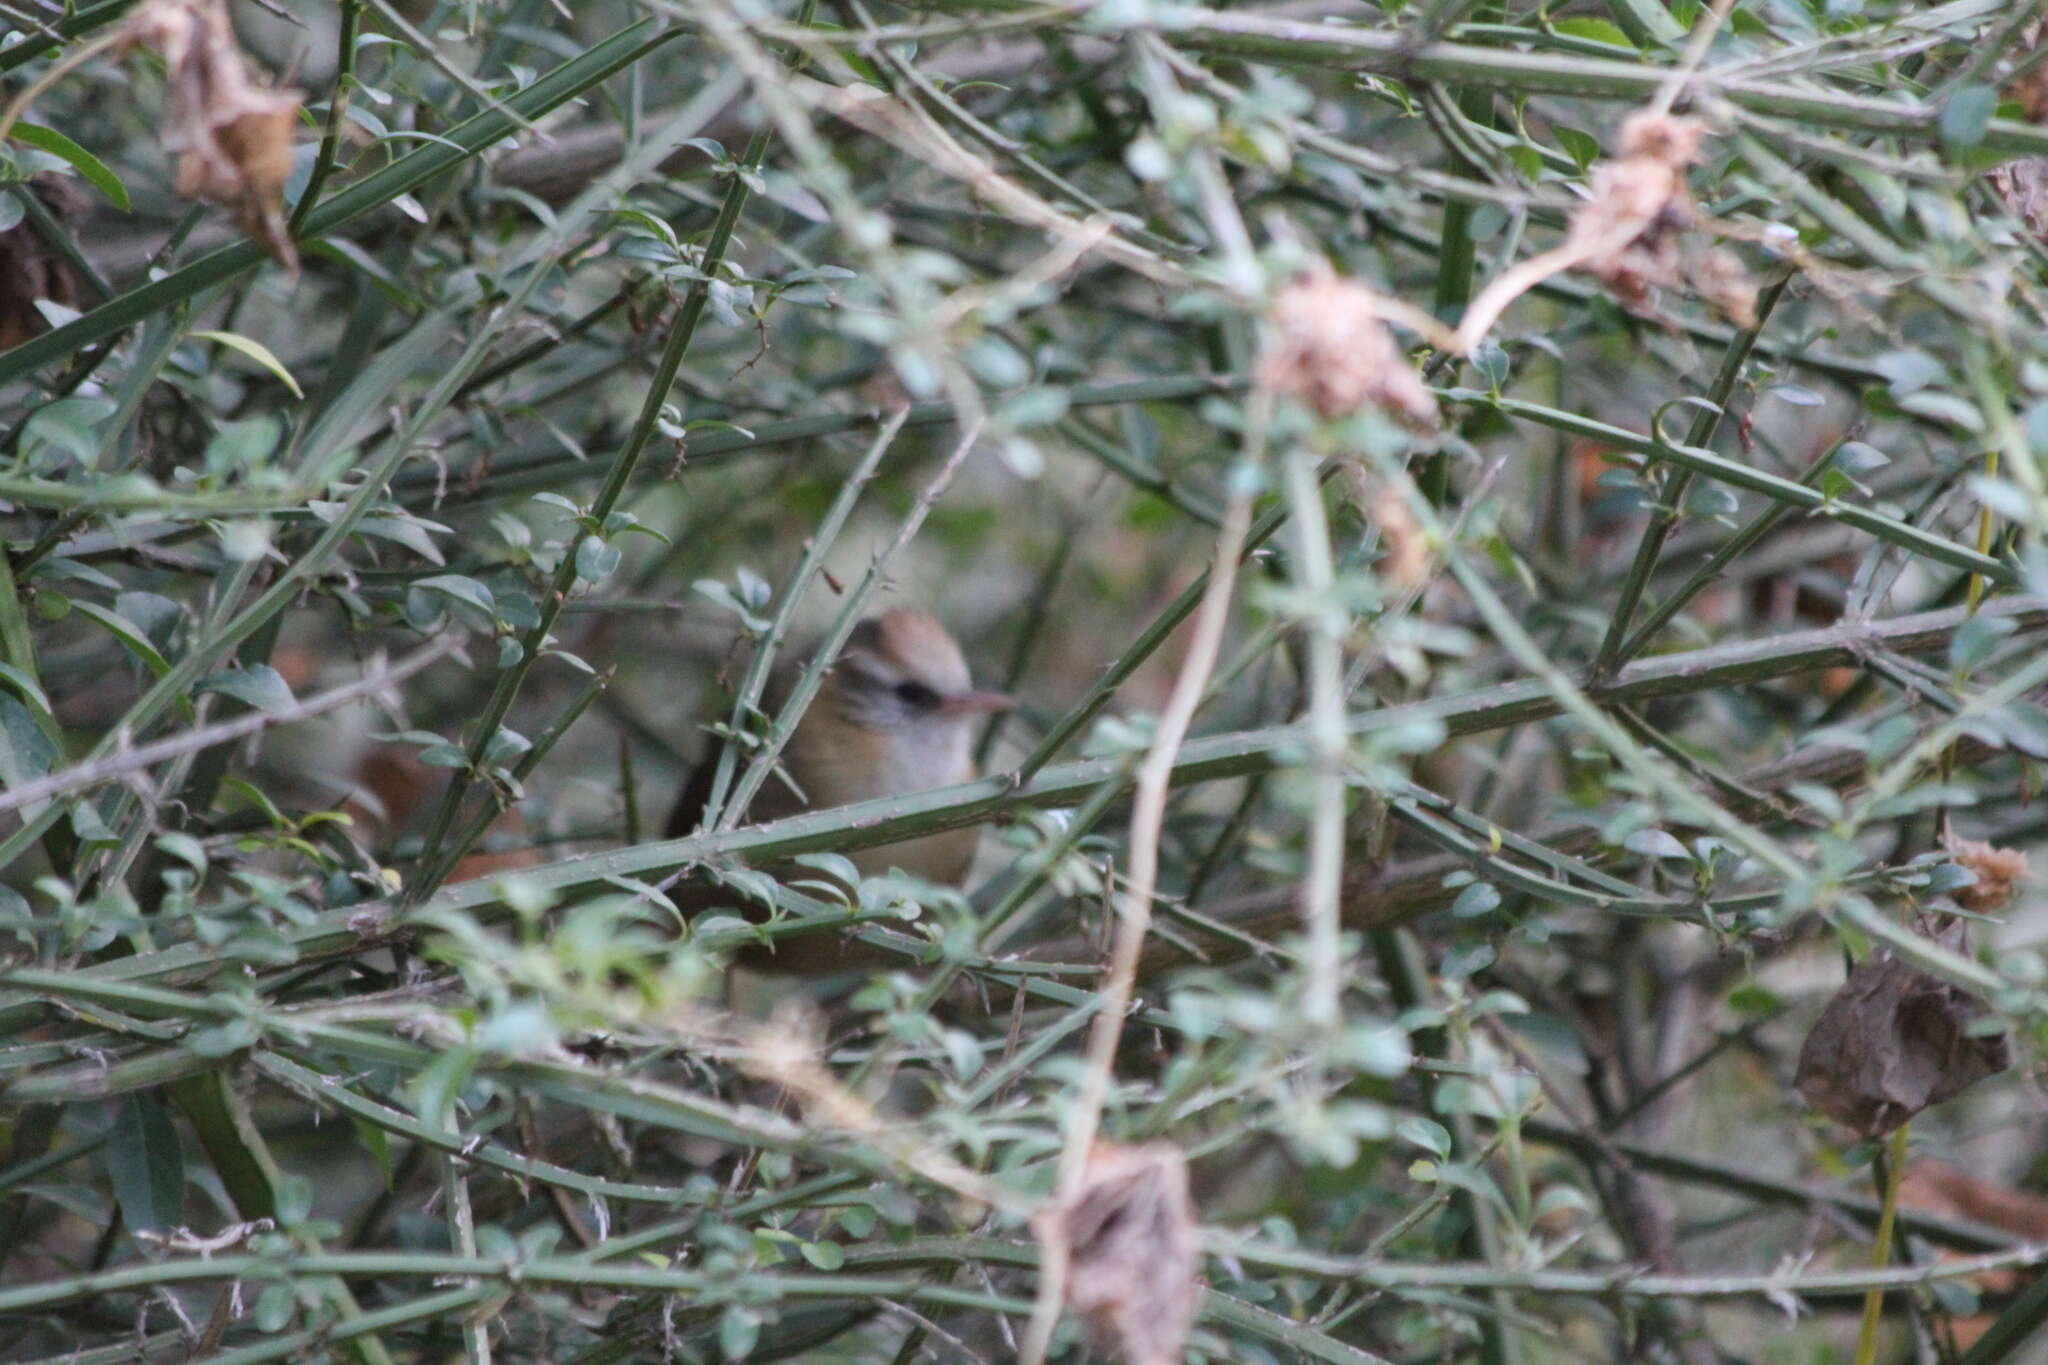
29,270
231,137
1641,197
1893,1041
2023,185
1133,1250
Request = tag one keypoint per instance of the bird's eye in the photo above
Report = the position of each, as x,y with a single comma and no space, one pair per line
916,694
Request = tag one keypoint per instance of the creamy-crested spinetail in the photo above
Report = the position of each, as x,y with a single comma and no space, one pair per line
896,713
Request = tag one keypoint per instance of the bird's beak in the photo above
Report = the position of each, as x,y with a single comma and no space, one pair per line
980,701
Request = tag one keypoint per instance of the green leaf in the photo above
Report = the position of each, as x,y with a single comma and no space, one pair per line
274,1308
257,352
824,1255
441,1084
223,1039
72,426
738,1332
26,753
1976,638
1655,843
260,687
1647,22
1595,30
1582,148
88,166
1032,408
146,1164
595,560
242,445
1463,959
294,1200
1427,1134
1966,115
1480,898
91,830
379,1144
129,634
462,589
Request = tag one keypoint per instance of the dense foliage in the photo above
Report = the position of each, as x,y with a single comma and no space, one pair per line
1514,528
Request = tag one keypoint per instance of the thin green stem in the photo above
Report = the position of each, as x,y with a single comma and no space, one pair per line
816,547
337,114
461,143
1669,501
596,519
1234,754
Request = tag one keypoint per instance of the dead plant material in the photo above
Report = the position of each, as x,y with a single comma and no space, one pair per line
1405,561
30,271
2030,91
1132,1247
1894,1041
1330,348
231,137
1999,873
2023,184
1632,233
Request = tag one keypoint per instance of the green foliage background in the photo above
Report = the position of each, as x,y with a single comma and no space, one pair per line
602,343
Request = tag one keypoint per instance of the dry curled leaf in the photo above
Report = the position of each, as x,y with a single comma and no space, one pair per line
30,271
1893,1041
1999,873
1330,348
232,138
1133,1254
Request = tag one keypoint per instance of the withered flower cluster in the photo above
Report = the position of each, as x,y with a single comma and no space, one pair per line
1133,1250
1641,202
1633,233
1999,872
231,137
1330,348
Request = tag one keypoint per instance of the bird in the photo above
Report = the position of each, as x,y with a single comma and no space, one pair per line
894,714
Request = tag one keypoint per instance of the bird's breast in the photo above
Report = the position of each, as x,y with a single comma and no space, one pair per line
854,765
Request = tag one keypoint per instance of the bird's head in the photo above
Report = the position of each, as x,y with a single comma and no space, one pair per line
902,673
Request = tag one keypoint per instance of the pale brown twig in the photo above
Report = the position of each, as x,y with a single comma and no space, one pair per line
1148,820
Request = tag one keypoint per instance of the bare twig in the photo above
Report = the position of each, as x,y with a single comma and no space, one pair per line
122,762
1148,819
